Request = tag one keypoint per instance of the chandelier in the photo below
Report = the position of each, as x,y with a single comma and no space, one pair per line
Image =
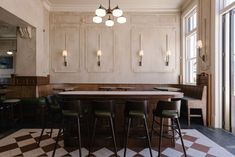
111,13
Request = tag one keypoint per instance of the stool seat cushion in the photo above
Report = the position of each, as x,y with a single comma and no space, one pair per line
170,113
55,107
136,113
102,113
69,113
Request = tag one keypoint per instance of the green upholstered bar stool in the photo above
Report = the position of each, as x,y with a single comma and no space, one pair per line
103,110
167,110
53,116
133,110
71,110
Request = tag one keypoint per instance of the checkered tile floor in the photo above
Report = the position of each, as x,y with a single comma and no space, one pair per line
23,143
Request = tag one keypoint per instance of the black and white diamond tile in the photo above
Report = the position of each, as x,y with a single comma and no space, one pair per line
23,143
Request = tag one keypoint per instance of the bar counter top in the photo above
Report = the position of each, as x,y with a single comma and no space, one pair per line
126,93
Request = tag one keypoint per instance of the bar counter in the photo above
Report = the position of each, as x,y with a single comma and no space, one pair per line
119,98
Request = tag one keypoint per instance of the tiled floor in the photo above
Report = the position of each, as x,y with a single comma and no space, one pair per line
23,143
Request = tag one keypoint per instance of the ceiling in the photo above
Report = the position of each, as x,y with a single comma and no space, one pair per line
126,5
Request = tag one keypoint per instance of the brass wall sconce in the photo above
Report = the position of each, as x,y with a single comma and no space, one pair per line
200,53
99,54
167,59
65,54
141,54
168,52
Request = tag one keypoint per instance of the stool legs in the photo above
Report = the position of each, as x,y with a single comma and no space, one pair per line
173,130
151,134
160,138
182,142
79,137
56,143
93,136
113,135
147,134
40,138
127,135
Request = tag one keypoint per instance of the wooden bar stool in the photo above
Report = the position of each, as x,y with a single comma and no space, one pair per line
168,110
103,110
136,109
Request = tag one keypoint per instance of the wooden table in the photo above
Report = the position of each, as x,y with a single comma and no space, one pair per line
119,98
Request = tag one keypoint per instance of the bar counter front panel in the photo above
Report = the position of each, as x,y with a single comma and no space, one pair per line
119,98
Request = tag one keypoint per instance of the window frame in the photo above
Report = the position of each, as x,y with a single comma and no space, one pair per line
186,34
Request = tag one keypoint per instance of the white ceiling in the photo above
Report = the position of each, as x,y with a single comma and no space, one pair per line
126,5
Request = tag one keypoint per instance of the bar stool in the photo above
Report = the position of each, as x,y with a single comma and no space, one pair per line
169,110
10,108
71,110
53,114
136,109
103,110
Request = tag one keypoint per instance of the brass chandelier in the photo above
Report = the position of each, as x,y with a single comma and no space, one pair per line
111,13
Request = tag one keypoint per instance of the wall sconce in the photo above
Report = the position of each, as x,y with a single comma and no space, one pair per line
99,54
168,53
141,52
200,54
65,54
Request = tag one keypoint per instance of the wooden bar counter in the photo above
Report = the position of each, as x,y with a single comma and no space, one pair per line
119,98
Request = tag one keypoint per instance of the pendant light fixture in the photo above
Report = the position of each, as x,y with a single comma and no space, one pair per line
112,13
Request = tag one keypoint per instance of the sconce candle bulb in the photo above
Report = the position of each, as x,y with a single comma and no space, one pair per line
65,54
141,54
199,46
168,52
99,54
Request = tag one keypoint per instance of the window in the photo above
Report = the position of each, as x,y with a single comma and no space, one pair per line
227,2
190,47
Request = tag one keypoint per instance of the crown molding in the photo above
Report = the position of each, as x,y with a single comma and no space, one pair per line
47,4
91,8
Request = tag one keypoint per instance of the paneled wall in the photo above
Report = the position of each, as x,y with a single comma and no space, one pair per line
120,46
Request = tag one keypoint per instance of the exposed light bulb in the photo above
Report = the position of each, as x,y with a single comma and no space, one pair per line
109,23
97,19
199,44
121,20
9,52
117,12
168,52
101,12
65,53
